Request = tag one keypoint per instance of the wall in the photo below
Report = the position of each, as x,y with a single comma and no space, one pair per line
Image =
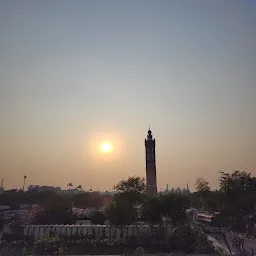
96,231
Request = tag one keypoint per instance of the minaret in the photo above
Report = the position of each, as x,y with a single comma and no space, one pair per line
150,146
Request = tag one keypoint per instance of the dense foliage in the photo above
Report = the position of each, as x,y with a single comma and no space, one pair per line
98,217
235,202
14,198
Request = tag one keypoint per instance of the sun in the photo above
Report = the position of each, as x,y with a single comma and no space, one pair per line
106,147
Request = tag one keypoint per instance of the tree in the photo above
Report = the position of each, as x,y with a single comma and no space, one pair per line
53,213
239,192
132,184
80,187
131,190
54,209
14,198
174,206
86,199
213,201
98,217
239,199
235,183
81,200
70,185
203,190
202,185
151,210
191,241
121,212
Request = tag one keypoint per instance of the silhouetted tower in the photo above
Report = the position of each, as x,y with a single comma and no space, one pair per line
150,146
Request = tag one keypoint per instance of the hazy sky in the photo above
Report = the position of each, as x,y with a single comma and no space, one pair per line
73,73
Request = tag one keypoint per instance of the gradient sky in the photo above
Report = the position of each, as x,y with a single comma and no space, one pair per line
73,73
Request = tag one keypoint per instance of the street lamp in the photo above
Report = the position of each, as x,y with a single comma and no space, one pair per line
24,180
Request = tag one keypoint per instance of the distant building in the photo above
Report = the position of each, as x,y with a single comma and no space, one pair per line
106,200
109,193
24,206
43,188
177,190
33,187
4,207
82,213
72,191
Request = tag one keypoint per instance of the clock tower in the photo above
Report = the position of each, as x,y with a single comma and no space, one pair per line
150,146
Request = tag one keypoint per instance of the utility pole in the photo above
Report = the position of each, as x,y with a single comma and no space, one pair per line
2,183
24,181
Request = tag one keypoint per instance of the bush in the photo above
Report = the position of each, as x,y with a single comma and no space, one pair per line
98,218
139,251
187,240
53,216
47,245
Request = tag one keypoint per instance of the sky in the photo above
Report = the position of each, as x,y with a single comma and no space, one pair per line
75,73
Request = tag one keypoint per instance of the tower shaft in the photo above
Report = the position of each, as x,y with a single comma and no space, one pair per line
150,146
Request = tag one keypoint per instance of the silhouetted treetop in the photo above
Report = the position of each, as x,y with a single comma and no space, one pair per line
132,184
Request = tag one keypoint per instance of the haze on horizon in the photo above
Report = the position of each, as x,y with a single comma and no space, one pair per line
74,73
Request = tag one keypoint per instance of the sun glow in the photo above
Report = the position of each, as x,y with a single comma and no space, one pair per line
101,147
106,147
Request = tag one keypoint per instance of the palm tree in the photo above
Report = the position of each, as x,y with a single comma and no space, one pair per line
70,185
24,180
79,187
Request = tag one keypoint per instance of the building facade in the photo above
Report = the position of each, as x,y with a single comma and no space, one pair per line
150,146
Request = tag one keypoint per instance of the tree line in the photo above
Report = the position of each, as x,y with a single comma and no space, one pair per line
234,200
